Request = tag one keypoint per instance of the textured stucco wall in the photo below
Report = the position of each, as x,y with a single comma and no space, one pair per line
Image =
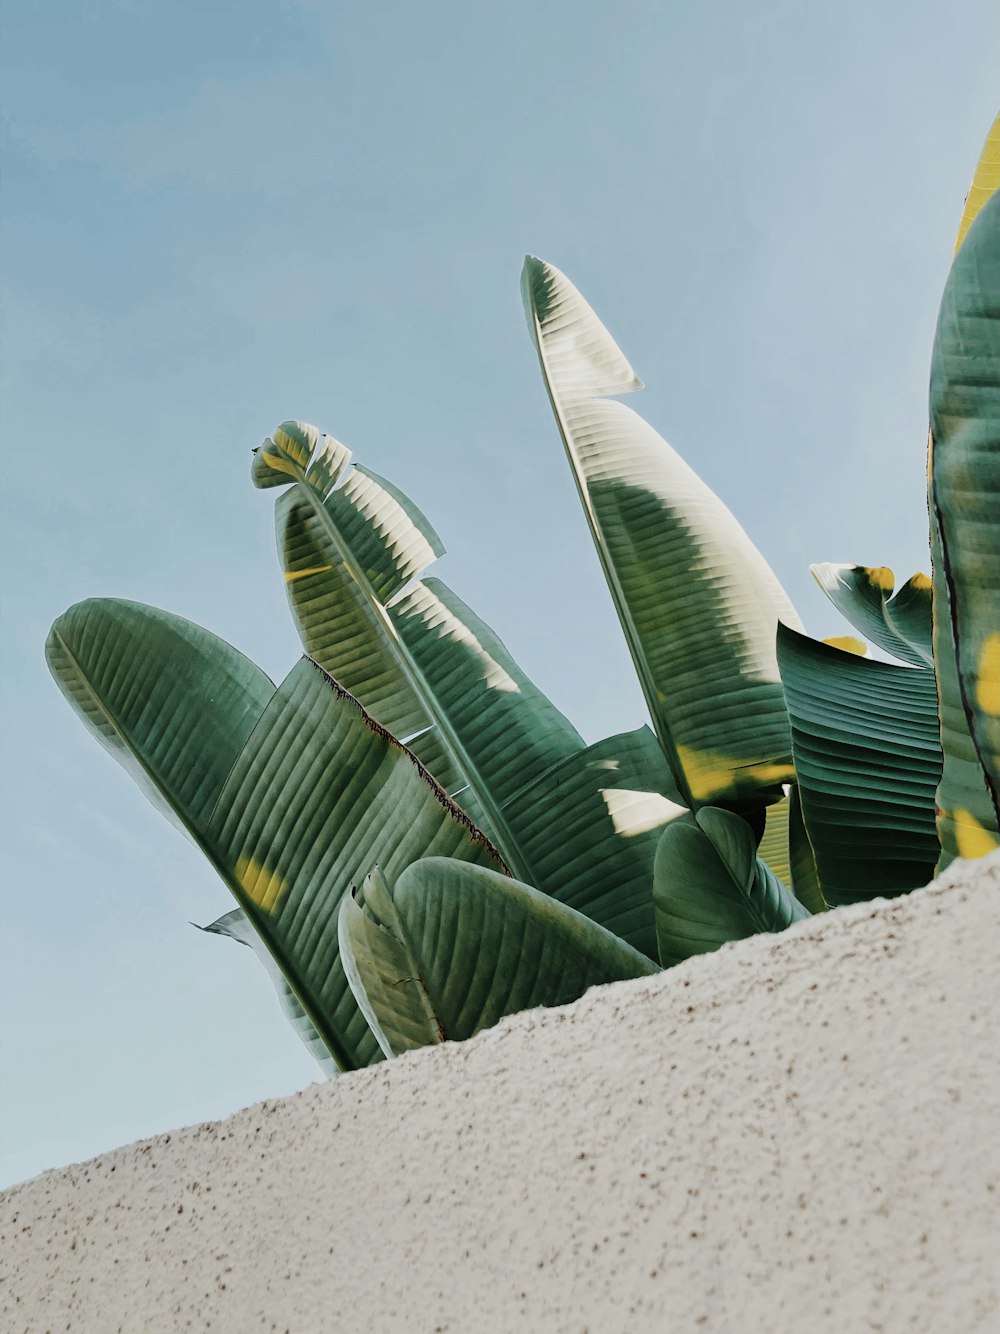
798,1133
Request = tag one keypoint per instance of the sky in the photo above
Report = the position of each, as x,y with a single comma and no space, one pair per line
219,215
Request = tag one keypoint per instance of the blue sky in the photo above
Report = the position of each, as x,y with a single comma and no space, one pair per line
219,215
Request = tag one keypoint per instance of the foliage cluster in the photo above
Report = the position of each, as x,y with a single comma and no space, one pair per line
419,842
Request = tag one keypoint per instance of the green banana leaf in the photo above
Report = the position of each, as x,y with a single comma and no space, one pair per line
424,663
451,949
710,887
338,604
900,624
235,926
315,792
867,761
172,702
966,814
698,603
427,669
965,503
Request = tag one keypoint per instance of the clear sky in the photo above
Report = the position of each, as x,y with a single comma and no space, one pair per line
217,215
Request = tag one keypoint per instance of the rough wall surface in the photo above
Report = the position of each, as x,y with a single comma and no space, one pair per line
798,1133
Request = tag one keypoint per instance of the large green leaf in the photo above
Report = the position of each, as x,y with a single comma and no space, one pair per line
319,795
316,792
337,593
451,949
698,603
235,926
172,702
966,814
710,887
867,761
965,502
419,658
900,624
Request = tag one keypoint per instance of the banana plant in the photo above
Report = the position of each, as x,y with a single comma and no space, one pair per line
353,550
419,842
292,793
578,822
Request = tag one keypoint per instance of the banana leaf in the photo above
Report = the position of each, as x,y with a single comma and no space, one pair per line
900,624
710,887
867,762
173,703
418,659
452,948
698,603
314,791
967,824
428,667
965,502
